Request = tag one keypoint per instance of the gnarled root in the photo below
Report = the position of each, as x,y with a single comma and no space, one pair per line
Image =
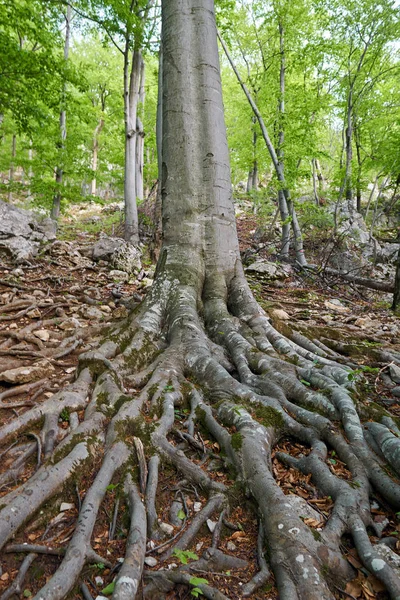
169,392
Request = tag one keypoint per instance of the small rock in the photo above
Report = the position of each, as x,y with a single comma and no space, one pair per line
211,525
120,313
26,374
91,312
231,546
34,314
118,275
99,580
42,334
146,283
199,546
150,561
69,324
263,268
18,272
105,309
167,528
280,314
339,308
197,506
395,373
38,293
13,326
66,506
172,566
363,322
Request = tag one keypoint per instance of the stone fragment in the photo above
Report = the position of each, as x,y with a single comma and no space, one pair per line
69,324
394,371
263,268
197,506
166,528
91,312
364,322
211,525
42,334
105,309
117,275
278,313
34,313
26,374
66,506
231,546
120,313
150,561
339,308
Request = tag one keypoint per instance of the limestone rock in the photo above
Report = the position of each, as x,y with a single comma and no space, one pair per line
167,528
211,525
105,247
120,313
395,373
280,314
26,374
91,312
66,506
118,275
263,267
336,307
42,334
150,561
21,232
364,322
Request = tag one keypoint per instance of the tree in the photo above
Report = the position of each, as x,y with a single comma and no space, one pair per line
125,23
200,338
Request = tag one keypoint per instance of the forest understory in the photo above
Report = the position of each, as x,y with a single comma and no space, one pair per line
118,448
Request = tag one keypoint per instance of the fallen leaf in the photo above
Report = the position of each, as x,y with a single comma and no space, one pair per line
354,588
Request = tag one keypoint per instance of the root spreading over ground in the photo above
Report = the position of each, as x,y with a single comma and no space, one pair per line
221,404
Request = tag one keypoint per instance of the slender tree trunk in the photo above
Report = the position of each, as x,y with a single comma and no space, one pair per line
12,165
95,152
131,99
314,180
321,179
156,240
140,138
55,211
285,204
359,167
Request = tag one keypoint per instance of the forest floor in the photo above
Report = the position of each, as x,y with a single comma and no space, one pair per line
45,303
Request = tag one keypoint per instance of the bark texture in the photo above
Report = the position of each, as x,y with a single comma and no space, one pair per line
199,340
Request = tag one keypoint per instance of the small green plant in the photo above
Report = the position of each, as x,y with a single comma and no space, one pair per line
196,581
101,566
108,589
185,555
64,415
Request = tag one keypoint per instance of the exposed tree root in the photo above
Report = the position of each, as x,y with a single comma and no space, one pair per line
245,386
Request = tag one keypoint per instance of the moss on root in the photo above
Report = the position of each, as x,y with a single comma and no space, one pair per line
236,441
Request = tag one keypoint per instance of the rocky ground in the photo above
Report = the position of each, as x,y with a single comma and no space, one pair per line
58,304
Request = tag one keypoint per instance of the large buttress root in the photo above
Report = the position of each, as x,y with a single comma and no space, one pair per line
242,385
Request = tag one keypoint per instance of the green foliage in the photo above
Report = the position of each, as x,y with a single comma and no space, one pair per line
184,555
108,590
196,581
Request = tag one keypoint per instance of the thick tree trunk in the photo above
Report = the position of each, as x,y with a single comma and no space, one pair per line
396,293
55,211
200,340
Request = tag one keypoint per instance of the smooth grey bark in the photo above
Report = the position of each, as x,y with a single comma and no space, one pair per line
95,151
285,203
55,211
139,164
12,165
131,100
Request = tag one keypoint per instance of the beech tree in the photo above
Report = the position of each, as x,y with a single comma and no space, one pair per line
200,339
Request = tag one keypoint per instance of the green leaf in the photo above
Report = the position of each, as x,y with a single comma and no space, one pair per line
197,581
181,514
305,382
111,487
109,589
196,592
184,555
27,593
